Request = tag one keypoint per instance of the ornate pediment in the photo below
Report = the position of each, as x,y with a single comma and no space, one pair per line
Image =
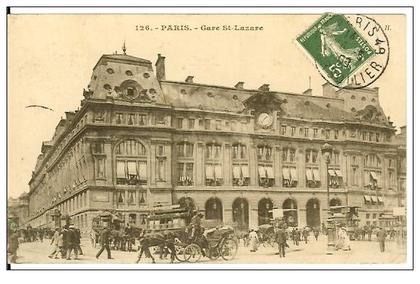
370,113
264,101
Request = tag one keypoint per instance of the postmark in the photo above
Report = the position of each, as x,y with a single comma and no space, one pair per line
349,51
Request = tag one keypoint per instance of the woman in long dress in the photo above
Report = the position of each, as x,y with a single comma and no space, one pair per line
253,237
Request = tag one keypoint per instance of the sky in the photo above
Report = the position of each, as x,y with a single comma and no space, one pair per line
51,57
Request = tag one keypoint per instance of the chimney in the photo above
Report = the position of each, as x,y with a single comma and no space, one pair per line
239,85
328,91
189,79
308,92
160,68
264,88
403,130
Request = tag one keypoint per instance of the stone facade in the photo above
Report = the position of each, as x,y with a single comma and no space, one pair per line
236,153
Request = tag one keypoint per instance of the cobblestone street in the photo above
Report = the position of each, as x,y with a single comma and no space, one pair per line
363,252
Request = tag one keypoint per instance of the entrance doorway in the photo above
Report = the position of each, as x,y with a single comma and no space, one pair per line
313,213
265,205
240,211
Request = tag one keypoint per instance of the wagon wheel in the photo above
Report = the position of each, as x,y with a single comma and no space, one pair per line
228,249
179,251
192,253
214,252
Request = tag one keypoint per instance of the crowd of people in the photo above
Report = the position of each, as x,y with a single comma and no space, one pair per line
66,241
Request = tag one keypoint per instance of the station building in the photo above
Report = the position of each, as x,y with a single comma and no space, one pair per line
233,153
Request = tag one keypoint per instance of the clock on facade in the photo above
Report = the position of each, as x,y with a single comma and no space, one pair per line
265,120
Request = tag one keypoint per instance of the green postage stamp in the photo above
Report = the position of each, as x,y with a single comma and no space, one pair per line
344,51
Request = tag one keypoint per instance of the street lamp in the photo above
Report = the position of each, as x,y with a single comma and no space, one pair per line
326,153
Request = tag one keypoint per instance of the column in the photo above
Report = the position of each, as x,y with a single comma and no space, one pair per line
253,164
227,166
277,166
199,163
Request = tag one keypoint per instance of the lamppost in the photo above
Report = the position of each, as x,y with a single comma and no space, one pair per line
327,152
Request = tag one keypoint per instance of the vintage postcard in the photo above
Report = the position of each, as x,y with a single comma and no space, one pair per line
209,139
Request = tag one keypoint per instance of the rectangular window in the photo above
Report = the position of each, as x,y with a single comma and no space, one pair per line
336,134
293,131
300,131
191,123
200,123
207,123
354,176
142,119
100,164
283,130
160,150
179,122
315,132
131,119
218,125
185,174
161,169
227,125
327,134
98,148
306,132
292,153
119,118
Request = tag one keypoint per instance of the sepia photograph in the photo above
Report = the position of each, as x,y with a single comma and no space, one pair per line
276,139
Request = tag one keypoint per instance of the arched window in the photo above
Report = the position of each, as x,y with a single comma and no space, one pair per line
290,212
131,162
214,210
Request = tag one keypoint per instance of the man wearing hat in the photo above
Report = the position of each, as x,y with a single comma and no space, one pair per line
196,225
381,235
72,242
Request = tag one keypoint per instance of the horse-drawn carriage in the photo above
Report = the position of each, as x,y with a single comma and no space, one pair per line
167,225
347,216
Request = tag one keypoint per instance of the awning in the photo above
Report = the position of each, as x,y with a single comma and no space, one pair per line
367,198
245,171
293,174
380,199
374,199
132,168
236,172
218,171
270,173
209,172
309,175
261,172
120,169
316,175
338,173
331,173
286,173
373,175
143,170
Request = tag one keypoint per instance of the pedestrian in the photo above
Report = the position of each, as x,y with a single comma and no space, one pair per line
381,235
78,237
305,234
93,238
54,243
296,236
253,237
72,242
316,233
104,242
13,244
60,243
281,238
369,232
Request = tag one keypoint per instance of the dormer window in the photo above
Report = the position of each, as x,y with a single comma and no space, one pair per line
128,73
110,71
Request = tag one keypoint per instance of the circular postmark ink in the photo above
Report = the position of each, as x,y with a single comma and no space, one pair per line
369,35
